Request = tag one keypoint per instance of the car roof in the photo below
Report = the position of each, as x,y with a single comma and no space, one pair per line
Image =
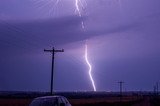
49,97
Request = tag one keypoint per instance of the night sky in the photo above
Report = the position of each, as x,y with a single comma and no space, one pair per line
123,38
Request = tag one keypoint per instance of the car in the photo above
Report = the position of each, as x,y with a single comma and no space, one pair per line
50,101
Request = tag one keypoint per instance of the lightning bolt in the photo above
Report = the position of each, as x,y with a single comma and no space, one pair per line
90,67
77,5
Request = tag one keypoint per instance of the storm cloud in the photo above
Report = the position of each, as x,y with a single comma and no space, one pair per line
123,44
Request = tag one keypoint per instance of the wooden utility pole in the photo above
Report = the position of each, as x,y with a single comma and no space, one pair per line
120,86
120,89
53,51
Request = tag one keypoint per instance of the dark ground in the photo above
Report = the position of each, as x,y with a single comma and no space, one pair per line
85,98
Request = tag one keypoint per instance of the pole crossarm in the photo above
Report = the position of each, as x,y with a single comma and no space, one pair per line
45,50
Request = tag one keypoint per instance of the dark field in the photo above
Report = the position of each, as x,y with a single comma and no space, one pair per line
86,98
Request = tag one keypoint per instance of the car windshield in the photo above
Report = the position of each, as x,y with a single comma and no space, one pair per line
45,102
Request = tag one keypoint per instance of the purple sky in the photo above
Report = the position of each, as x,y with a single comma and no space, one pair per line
123,44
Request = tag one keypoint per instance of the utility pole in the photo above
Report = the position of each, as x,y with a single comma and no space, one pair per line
157,88
120,86
154,89
53,51
120,89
